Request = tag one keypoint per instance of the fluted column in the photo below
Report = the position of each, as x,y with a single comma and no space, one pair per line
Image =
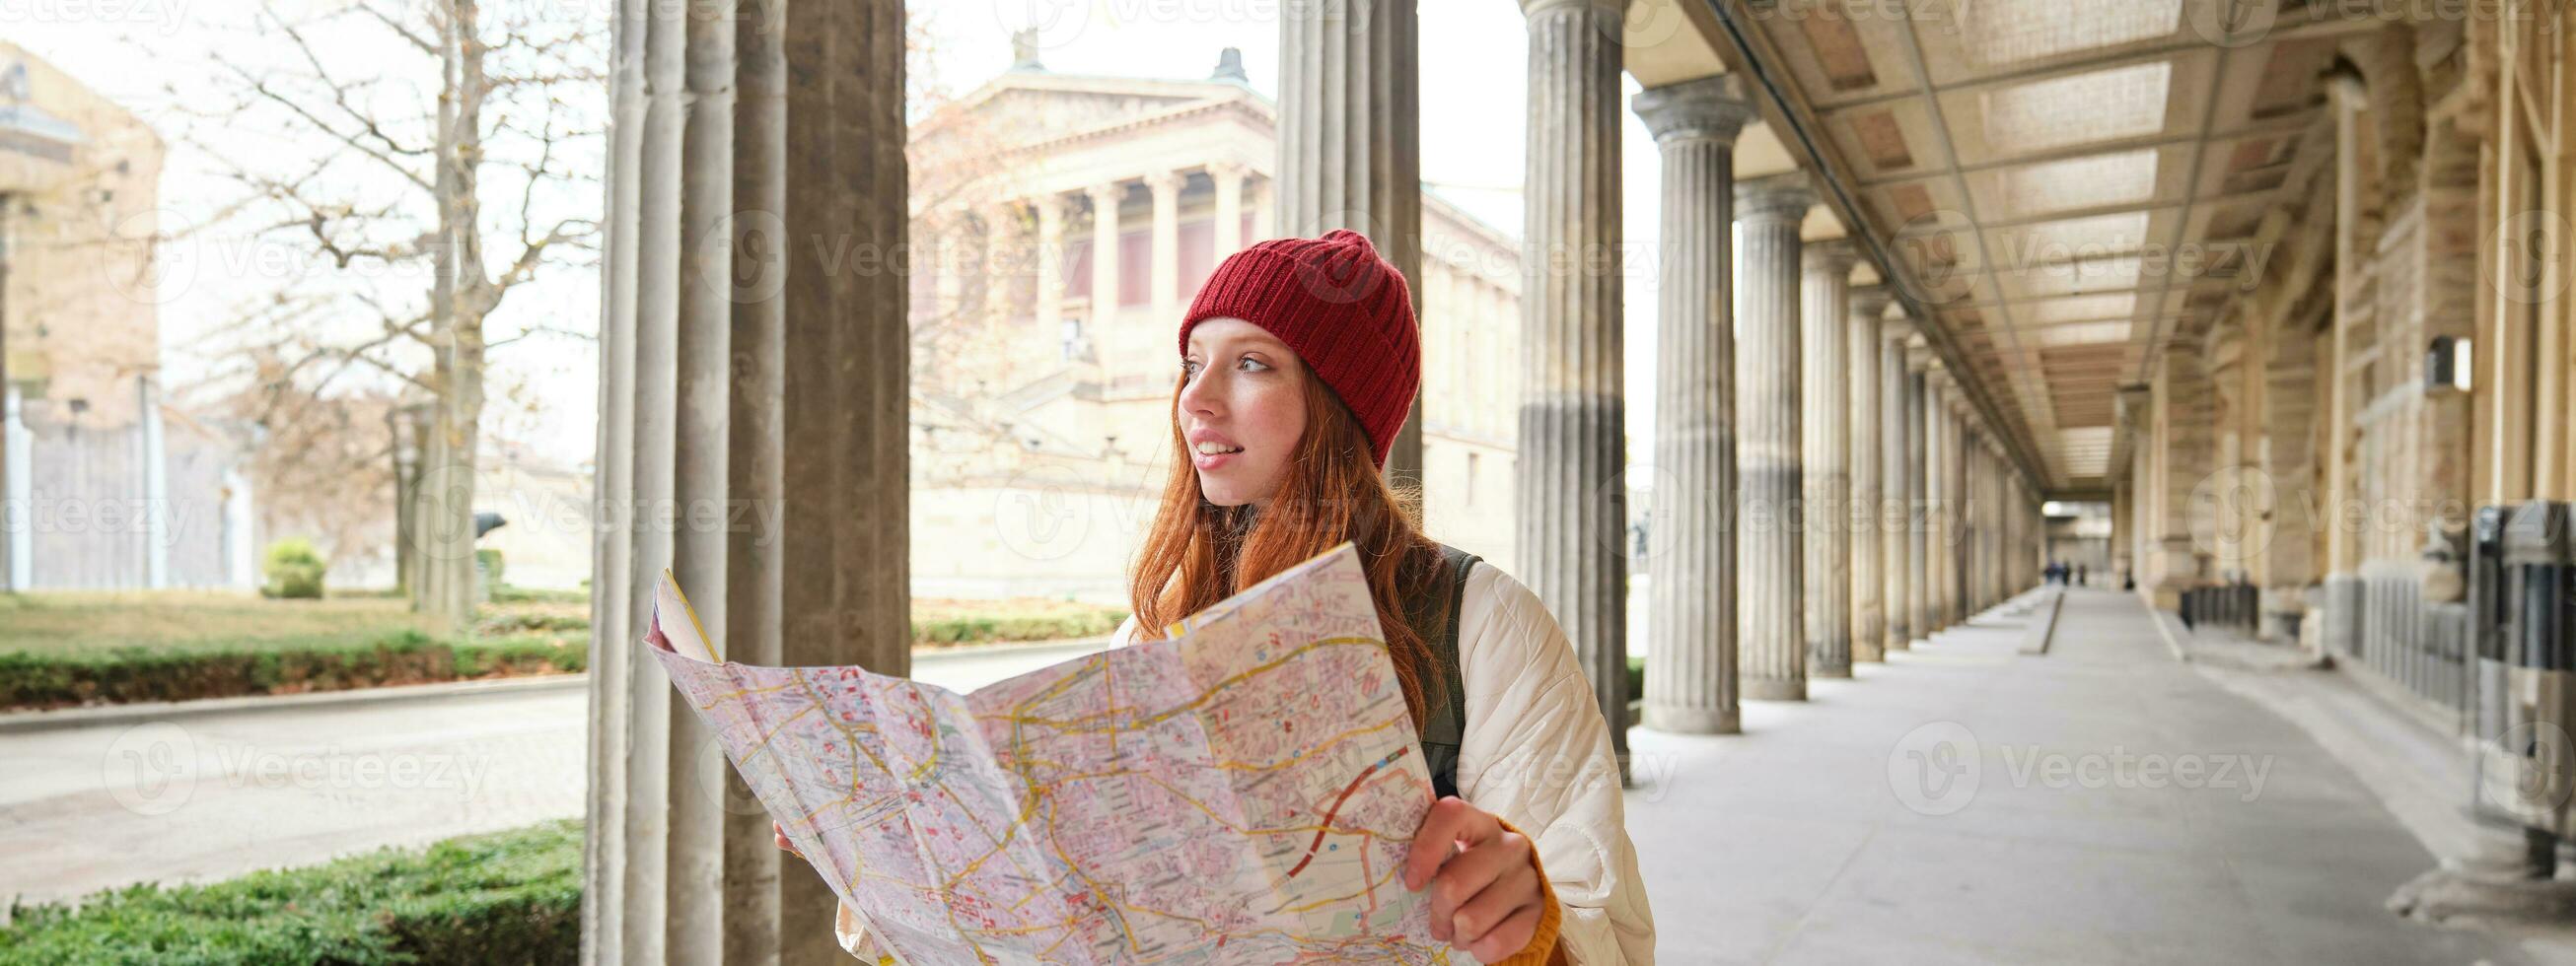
1918,490
1692,535
1938,494
1570,536
1165,274
1228,176
1105,199
1867,580
1896,501
1770,554
1050,255
1350,146
1824,295
728,379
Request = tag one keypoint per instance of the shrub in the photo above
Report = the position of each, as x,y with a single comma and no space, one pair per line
976,628
489,561
126,675
294,570
508,897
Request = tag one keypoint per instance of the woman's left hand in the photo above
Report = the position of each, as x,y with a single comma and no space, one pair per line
1484,886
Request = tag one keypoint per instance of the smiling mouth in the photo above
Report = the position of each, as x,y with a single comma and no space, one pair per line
1216,449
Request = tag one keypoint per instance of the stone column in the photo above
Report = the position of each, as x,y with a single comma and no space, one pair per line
1918,493
1228,176
1105,199
1350,146
1692,688
1165,275
1770,554
1936,499
1571,533
728,378
1868,558
1824,295
1895,471
1050,256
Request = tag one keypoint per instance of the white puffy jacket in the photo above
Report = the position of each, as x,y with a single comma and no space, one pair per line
1535,752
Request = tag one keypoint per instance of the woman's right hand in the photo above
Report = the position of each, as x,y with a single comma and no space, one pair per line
783,843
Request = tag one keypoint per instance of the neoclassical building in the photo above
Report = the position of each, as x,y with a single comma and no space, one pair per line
1082,214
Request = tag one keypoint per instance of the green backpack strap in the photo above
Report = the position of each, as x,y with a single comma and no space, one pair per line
1436,618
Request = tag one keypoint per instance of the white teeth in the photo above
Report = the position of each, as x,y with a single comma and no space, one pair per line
1214,448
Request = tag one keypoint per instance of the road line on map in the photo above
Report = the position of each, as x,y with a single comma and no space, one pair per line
1327,825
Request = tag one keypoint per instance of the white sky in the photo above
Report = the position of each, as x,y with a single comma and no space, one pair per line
1473,67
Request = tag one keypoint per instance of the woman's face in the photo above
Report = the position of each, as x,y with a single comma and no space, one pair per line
1242,411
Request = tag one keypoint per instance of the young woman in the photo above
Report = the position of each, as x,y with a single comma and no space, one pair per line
1298,364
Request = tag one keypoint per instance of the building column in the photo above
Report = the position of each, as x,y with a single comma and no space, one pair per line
1824,296
1105,199
1693,686
1350,146
1868,579
1918,492
1937,494
1164,276
745,385
1770,559
1571,532
1050,308
1228,176
1896,501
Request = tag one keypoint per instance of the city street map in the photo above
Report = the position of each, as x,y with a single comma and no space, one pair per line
1242,792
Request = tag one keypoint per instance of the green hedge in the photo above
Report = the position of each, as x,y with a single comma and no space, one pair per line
981,628
505,898
131,674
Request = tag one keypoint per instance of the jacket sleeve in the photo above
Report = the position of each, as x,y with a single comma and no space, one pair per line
1537,753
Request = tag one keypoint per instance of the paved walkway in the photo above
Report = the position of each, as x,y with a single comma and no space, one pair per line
1962,804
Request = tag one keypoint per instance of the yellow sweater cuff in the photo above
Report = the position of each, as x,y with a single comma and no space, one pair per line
1542,949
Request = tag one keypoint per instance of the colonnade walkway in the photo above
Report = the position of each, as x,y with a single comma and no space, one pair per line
1967,803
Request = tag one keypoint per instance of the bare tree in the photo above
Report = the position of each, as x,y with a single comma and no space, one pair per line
447,104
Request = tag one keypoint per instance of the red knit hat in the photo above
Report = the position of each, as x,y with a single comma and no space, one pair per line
1340,307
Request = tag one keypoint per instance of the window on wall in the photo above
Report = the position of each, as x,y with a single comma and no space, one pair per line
1198,256
1077,271
1135,268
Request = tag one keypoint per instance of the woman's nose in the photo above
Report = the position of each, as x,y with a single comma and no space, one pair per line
1199,394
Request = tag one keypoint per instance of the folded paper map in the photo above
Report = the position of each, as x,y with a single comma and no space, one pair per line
1243,792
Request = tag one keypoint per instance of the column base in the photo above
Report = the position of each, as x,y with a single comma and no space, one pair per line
1774,689
1687,720
1898,639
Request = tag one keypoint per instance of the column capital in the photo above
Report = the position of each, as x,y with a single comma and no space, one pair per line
1046,204
1107,192
1779,197
1833,256
1708,109
1606,8
1165,182
1871,302
1225,170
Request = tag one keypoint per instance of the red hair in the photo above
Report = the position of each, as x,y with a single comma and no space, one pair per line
1198,553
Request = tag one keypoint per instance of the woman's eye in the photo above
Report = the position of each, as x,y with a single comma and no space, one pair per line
1258,365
